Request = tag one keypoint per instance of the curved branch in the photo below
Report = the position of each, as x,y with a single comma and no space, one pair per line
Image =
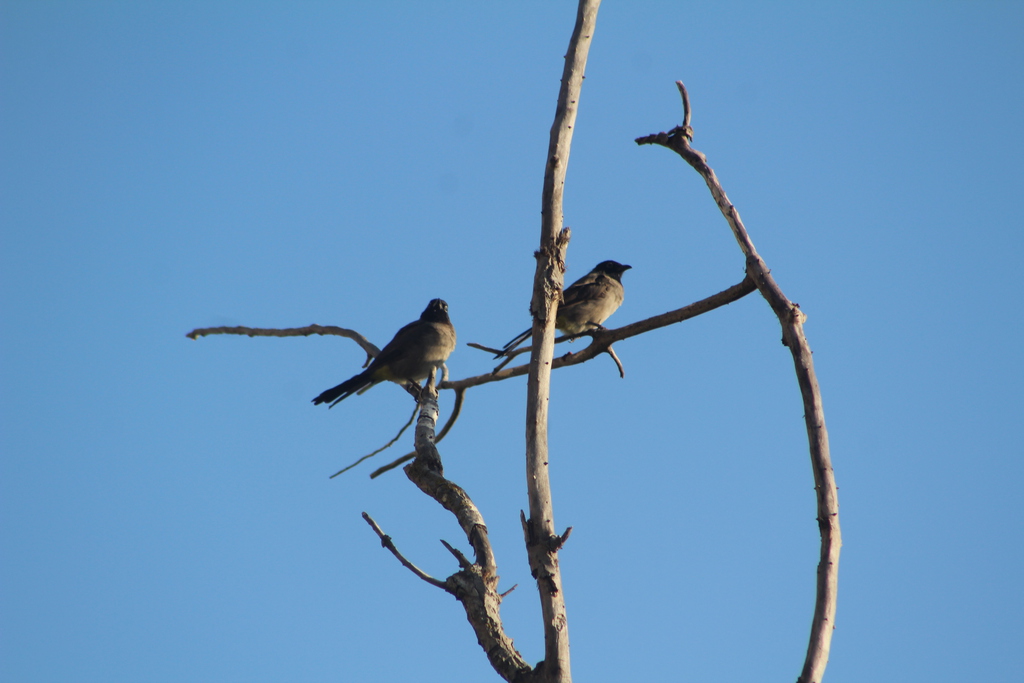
460,395
324,330
618,363
386,446
475,584
791,318
386,542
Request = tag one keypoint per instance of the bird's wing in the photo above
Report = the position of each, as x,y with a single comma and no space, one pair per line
587,288
405,342
416,349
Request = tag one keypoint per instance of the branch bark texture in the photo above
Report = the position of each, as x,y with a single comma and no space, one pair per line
324,330
792,319
475,585
547,289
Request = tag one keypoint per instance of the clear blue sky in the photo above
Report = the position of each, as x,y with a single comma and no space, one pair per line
165,508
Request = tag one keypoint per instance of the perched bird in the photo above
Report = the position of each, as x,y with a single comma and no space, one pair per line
586,303
416,350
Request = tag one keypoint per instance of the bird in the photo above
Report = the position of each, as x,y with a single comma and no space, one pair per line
586,303
415,351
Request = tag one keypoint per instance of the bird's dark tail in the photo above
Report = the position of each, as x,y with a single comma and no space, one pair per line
344,390
515,342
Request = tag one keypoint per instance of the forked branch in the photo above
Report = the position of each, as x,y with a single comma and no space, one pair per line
460,397
475,584
602,341
386,542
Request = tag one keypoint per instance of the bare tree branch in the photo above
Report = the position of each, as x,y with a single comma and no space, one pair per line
547,290
386,542
325,330
512,353
618,363
475,584
605,337
386,446
706,305
602,339
459,556
427,473
791,318
460,395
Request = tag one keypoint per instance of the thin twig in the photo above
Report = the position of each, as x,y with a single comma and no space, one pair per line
559,541
488,349
386,446
611,352
392,465
386,542
460,395
512,353
459,555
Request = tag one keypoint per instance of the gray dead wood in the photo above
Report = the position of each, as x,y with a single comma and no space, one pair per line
792,320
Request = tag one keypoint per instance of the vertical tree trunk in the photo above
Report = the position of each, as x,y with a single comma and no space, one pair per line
541,539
